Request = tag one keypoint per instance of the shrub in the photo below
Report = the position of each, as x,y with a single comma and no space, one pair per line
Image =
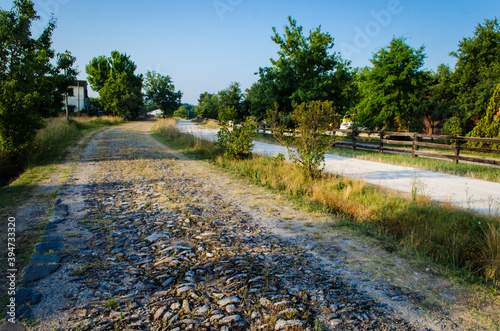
236,139
312,122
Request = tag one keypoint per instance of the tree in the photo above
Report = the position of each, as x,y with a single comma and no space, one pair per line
230,97
311,122
181,112
122,96
392,89
305,70
160,90
437,104
95,106
119,87
208,105
477,72
98,71
212,105
255,102
31,85
489,126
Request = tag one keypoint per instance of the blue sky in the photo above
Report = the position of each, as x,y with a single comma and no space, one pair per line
204,45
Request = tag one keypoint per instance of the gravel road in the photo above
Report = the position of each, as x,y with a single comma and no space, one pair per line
144,239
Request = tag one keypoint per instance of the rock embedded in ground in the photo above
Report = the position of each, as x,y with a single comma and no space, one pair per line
27,296
33,273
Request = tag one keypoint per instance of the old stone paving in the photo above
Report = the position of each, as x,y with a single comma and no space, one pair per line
137,242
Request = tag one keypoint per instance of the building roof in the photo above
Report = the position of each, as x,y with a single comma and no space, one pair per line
82,83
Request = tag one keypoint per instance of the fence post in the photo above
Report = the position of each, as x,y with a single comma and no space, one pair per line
457,149
415,145
381,147
353,139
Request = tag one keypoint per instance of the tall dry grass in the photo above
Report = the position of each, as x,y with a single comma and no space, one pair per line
455,238
491,252
165,130
50,143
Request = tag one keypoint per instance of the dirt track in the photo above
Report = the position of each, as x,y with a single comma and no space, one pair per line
150,240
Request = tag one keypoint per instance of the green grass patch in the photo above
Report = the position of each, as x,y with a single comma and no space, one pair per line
478,171
18,190
458,239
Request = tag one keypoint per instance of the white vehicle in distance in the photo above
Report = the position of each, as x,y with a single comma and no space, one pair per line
345,126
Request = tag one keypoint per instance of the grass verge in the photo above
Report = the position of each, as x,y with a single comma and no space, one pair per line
199,149
477,171
460,240
207,122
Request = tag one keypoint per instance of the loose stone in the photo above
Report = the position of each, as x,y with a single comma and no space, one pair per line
226,301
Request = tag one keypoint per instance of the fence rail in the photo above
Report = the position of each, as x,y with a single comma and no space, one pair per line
383,141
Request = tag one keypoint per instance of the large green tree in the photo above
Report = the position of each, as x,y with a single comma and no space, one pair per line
33,80
477,73
392,89
208,105
160,90
230,98
119,87
306,69
438,102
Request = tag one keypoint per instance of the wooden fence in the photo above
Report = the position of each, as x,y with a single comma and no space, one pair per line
410,143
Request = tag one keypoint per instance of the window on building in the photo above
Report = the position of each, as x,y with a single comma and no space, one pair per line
71,92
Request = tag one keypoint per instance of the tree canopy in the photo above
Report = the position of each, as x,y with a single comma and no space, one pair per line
32,86
212,105
306,69
477,73
392,89
119,87
208,105
160,90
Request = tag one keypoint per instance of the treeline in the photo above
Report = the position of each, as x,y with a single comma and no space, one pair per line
121,89
395,94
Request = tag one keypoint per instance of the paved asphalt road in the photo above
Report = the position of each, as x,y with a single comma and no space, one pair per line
479,195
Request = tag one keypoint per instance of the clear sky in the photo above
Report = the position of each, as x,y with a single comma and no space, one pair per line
204,45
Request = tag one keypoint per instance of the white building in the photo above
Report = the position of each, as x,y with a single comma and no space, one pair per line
155,113
78,98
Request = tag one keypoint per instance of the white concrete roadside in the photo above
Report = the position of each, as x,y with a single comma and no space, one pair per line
479,195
